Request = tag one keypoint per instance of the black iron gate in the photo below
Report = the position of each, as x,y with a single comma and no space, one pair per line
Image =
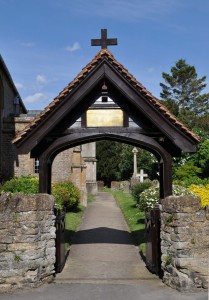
153,250
60,240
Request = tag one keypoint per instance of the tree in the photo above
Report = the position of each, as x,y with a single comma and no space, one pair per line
203,158
183,94
115,162
108,159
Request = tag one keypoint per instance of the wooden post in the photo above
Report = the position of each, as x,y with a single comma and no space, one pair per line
45,168
165,177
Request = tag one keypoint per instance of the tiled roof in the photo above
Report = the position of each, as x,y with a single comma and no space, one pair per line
105,53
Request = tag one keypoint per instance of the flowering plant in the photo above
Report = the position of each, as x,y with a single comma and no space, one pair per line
201,191
151,196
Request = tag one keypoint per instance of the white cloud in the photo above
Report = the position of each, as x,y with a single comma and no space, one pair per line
19,86
76,46
37,97
41,79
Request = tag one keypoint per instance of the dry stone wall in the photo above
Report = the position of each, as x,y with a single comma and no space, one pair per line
185,243
27,240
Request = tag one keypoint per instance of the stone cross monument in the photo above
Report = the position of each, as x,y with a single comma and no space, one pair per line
135,151
137,177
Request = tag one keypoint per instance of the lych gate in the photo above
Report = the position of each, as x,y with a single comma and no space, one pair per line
106,102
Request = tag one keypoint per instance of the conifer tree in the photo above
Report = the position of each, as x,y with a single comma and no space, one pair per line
183,94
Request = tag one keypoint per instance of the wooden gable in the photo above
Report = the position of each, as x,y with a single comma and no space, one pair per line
148,114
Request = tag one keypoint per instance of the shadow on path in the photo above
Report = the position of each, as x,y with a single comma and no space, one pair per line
102,235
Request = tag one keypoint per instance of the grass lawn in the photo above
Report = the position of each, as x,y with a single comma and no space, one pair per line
134,218
72,221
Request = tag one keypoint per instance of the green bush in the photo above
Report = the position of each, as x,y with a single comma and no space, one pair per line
23,184
66,195
192,180
138,188
187,172
151,196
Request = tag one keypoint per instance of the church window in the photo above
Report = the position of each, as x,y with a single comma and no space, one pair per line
36,165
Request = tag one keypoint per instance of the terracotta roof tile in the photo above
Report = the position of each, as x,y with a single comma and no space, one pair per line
105,53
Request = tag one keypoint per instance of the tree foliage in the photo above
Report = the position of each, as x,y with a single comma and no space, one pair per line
108,159
183,94
115,162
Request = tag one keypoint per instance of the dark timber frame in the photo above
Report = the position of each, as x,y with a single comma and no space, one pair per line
51,133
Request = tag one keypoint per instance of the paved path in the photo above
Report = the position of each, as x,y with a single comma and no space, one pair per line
103,249
103,264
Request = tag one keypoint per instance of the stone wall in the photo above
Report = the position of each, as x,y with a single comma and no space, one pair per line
61,166
185,243
27,240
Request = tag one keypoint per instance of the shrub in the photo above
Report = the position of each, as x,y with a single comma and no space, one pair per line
66,195
202,192
138,188
23,184
191,181
151,196
187,171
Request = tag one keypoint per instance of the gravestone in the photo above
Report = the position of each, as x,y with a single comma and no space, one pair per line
125,186
115,185
100,185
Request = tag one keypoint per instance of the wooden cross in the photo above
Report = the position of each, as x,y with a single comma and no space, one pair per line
104,41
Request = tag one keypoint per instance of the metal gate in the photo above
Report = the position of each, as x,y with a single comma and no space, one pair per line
60,240
153,250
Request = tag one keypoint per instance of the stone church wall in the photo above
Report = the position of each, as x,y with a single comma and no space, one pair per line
185,243
61,167
67,165
27,240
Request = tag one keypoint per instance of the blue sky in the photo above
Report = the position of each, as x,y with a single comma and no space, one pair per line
45,43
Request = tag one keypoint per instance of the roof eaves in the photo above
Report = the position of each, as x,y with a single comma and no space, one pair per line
6,71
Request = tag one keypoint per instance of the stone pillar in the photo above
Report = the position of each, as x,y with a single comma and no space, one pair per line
135,151
78,174
184,243
89,156
27,240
